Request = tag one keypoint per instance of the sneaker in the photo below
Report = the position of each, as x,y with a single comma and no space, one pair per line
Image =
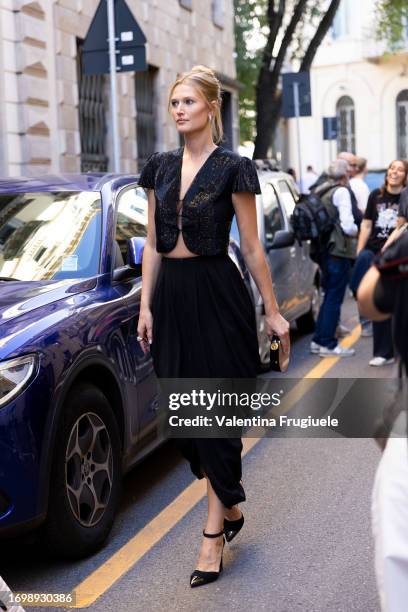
338,351
366,331
315,348
381,361
342,331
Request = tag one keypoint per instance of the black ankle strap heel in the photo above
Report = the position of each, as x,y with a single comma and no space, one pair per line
213,535
231,528
199,577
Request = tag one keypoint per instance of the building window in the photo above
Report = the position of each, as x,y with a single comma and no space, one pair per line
188,4
92,118
145,114
218,12
346,133
402,124
341,21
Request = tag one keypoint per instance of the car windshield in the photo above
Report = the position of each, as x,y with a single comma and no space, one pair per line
46,236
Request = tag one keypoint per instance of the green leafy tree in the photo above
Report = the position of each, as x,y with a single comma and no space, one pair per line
250,21
392,22
292,30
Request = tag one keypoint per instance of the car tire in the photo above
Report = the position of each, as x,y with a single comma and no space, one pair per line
306,323
86,476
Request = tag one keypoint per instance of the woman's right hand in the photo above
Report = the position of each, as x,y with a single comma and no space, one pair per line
145,329
276,324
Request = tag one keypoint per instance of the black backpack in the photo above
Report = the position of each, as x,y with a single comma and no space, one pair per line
310,219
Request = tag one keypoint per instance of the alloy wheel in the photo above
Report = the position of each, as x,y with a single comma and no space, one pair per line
88,469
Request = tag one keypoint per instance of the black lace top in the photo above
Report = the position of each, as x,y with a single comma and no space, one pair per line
206,211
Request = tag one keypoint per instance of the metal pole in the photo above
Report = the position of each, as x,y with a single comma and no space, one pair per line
297,110
112,69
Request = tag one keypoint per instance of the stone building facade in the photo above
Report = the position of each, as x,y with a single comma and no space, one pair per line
54,119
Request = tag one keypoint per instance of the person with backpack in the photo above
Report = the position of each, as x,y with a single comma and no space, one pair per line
336,249
352,170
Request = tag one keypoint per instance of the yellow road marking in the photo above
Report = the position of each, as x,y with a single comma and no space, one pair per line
116,566
97,583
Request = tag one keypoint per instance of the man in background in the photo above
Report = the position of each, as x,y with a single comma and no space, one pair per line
352,171
308,179
351,159
335,266
361,191
358,184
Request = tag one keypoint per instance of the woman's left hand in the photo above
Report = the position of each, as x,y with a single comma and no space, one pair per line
276,325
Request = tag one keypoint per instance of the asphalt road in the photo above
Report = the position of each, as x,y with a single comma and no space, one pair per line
306,543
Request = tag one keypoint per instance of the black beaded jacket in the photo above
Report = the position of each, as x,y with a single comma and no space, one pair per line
207,210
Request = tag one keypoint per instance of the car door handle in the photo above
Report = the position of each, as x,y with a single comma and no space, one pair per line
155,405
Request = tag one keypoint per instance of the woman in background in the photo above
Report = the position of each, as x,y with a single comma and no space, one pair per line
380,221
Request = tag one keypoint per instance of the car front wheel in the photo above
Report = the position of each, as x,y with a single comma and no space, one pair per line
86,475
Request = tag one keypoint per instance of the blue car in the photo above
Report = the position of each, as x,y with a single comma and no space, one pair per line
375,178
78,398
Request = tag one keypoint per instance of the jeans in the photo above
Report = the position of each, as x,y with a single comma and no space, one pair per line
383,345
334,281
361,265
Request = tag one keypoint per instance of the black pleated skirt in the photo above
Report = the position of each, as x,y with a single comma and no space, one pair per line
204,327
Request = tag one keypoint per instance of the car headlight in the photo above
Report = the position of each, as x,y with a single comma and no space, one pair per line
15,374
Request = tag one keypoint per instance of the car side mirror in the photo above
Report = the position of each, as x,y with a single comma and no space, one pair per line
135,247
281,239
134,256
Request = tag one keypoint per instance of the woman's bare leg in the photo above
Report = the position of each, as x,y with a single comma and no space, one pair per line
234,513
210,552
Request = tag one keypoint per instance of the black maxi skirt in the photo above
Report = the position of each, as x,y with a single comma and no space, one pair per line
204,327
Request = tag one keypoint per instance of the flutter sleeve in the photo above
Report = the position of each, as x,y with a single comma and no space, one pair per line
147,176
246,178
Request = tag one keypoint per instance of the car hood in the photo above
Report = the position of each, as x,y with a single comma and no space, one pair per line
20,297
